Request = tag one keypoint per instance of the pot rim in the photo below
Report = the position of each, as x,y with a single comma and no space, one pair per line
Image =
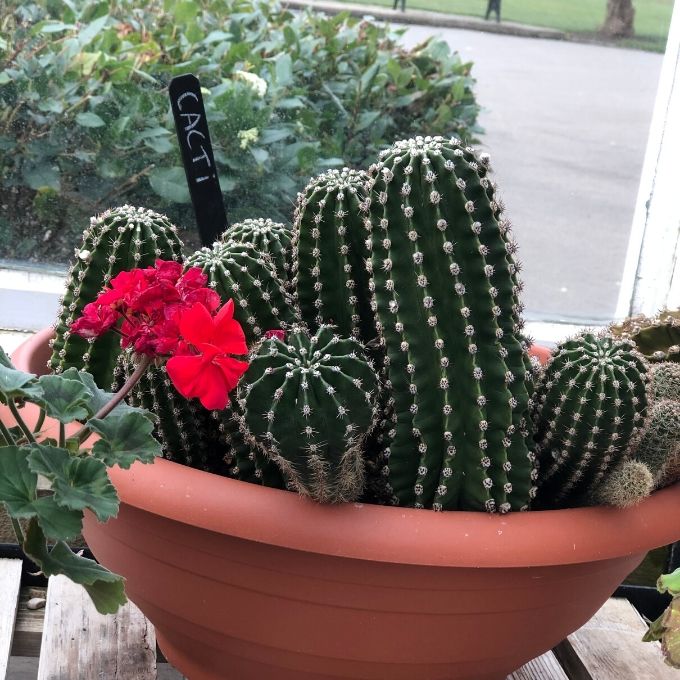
388,534
398,535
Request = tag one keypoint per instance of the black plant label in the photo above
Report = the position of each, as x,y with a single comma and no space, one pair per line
197,156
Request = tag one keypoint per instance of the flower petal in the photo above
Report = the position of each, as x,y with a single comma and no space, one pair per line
232,369
196,325
184,372
229,335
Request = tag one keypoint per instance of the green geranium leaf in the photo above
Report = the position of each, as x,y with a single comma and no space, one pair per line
78,483
669,583
106,590
126,438
16,384
4,359
66,400
18,486
17,483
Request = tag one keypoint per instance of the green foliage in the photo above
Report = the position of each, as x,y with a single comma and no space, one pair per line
658,337
83,96
76,474
666,628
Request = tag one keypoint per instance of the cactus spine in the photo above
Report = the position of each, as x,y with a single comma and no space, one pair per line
238,271
661,436
330,254
627,484
117,240
271,238
446,302
308,404
658,338
589,407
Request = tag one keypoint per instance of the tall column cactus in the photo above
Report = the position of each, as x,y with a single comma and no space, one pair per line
117,240
309,403
330,254
590,405
446,299
239,271
268,237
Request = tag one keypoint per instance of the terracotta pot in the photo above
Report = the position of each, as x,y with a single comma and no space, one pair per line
248,583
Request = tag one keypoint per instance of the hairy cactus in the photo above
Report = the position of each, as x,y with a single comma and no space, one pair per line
309,403
446,303
330,254
186,431
627,484
238,271
117,240
589,406
268,237
671,471
666,380
661,436
658,338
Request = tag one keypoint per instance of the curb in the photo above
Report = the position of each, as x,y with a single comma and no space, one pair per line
424,18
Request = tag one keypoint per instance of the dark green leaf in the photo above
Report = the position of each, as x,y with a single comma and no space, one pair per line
65,399
41,176
89,119
77,483
106,590
126,438
170,184
284,70
16,384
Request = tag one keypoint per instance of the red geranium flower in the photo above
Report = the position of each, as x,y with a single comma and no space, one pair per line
204,368
95,321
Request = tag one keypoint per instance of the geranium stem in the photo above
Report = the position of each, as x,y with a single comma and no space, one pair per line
6,434
40,421
20,421
144,363
17,530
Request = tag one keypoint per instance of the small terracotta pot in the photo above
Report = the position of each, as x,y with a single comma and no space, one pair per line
248,583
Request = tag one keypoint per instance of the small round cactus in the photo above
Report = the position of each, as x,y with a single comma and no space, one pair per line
666,380
117,240
308,403
589,407
627,484
240,272
661,436
268,237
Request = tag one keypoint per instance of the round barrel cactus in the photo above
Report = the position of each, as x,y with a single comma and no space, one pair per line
240,272
446,301
308,403
268,237
117,240
589,408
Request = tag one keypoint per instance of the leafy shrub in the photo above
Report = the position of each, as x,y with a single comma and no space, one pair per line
85,120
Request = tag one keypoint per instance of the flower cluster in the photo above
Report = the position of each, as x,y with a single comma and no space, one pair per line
166,312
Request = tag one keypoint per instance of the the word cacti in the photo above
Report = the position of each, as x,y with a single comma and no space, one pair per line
589,407
330,254
185,429
117,240
309,403
268,237
446,300
240,272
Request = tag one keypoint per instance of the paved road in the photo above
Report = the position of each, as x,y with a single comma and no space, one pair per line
566,126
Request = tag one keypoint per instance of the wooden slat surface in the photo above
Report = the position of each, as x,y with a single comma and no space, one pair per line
545,667
80,644
10,583
610,647
29,624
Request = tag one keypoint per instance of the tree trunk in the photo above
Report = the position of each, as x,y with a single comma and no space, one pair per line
619,20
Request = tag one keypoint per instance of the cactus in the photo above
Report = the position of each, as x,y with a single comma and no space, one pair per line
627,484
185,429
658,338
671,471
666,380
448,314
239,271
117,240
660,437
589,407
272,238
308,404
330,254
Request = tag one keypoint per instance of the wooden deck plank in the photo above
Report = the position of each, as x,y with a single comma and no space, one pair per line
545,667
78,643
10,584
29,624
610,647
